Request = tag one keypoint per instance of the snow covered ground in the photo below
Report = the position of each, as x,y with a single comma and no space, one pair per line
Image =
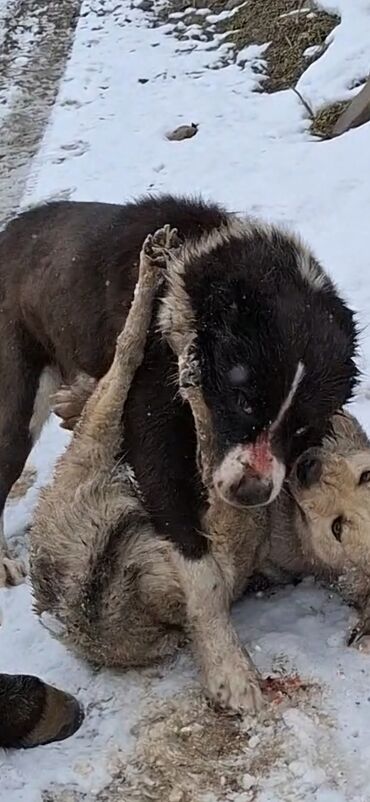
125,85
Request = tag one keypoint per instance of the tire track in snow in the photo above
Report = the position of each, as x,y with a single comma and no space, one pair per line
35,40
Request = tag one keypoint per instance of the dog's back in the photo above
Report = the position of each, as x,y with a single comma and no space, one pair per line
275,342
81,268
67,276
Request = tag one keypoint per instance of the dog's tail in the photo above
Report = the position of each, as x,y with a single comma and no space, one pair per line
33,713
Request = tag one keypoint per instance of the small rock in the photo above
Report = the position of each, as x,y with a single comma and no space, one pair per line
143,80
298,768
176,795
247,782
186,731
182,132
145,5
190,729
254,741
196,727
148,782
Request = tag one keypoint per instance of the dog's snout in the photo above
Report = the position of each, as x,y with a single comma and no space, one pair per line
73,718
308,470
252,490
62,717
245,482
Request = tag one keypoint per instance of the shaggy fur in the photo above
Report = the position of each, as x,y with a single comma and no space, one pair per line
123,594
329,489
33,713
274,341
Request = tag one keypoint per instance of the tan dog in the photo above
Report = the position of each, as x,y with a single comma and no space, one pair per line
332,533
123,594
325,533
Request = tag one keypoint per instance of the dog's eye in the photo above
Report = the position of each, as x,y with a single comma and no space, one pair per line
244,404
337,527
364,478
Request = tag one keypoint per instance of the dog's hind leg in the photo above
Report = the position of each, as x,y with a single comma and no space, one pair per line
21,365
98,433
33,713
101,559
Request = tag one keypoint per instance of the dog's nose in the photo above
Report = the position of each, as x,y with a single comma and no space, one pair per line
73,718
62,716
252,491
308,469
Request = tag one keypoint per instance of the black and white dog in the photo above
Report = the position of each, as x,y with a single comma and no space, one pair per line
275,342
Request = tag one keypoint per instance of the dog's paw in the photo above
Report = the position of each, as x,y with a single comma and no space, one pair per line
12,572
234,685
65,407
360,637
157,245
68,402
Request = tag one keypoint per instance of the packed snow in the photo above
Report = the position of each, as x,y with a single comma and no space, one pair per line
126,83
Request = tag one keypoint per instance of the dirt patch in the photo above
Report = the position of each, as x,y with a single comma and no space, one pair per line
186,751
25,481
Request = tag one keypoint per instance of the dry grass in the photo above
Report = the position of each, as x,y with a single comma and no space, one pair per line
291,27
324,120
185,750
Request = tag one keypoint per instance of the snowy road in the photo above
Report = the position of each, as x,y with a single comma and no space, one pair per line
127,82
35,39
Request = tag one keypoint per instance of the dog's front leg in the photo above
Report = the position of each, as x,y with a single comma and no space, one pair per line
229,675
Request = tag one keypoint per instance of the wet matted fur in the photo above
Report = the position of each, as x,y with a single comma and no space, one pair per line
275,345
319,525
124,595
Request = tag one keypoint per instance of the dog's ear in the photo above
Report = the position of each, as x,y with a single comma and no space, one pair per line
224,304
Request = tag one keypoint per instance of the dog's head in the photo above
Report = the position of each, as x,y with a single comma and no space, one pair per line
276,348
331,487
